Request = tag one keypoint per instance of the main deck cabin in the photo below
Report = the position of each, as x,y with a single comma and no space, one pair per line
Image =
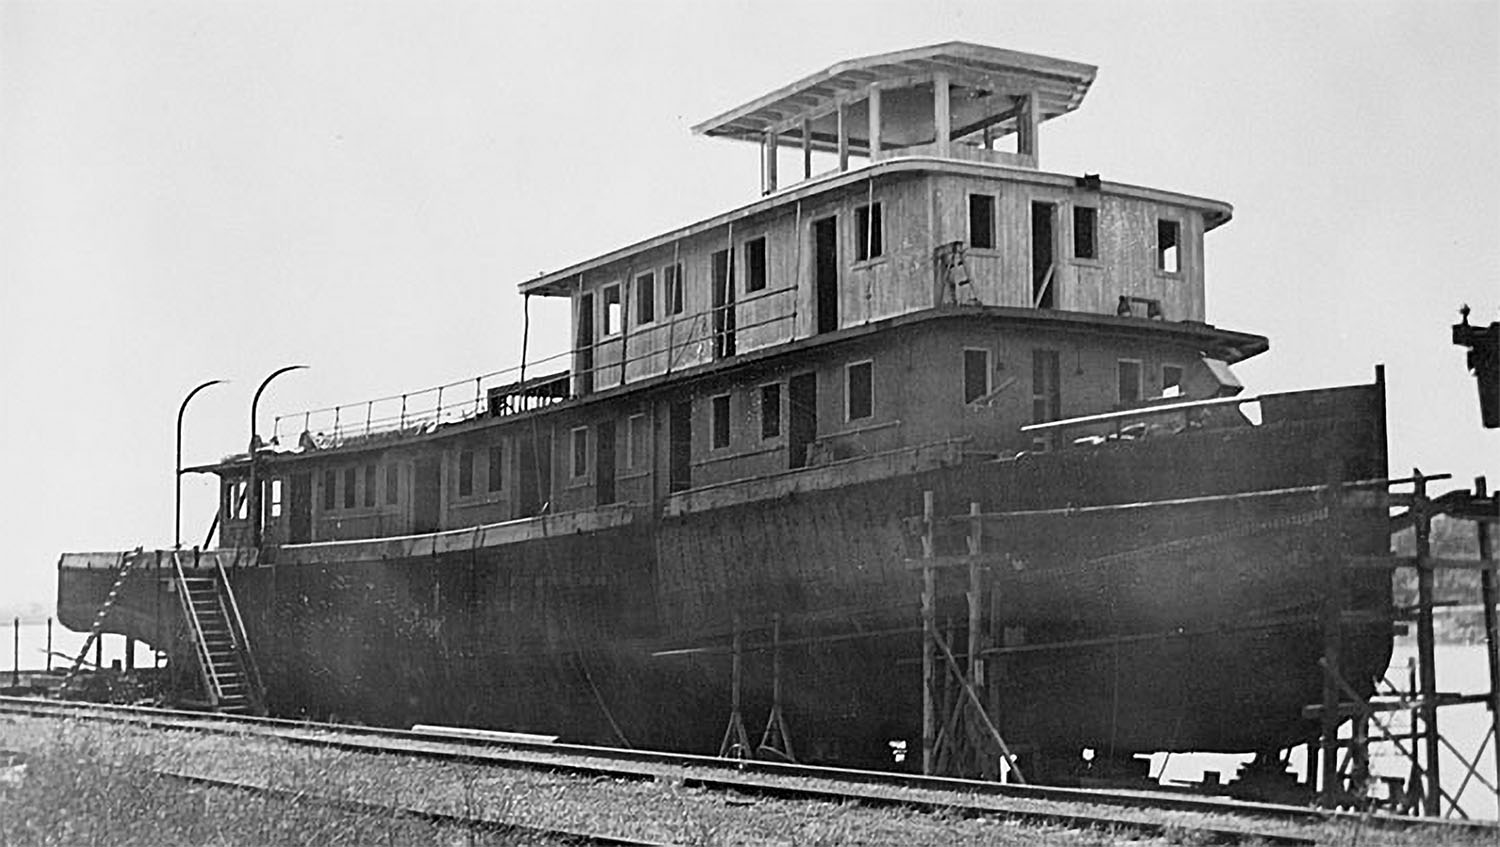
930,290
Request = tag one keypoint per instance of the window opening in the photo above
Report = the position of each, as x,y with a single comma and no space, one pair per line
1085,232
982,221
330,489
496,467
1046,392
369,492
392,484
860,397
637,444
671,277
611,309
1130,382
720,413
580,467
350,483
770,410
723,304
755,264
1168,236
1043,268
275,498
1171,380
976,373
645,298
465,472
869,238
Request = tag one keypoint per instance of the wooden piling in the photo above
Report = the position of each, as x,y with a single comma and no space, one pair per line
1491,595
1426,654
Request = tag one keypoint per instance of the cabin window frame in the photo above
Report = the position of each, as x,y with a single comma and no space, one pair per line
720,421
644,289
637,441
869,404
869,239
1176,251
578,451
1139,367
467,458
1046,393
988,374
993,233
351,484
392,484
1181,373
367,491
1093,230
330,485
757,276
273,497
770,389
674,297
494,480
611,314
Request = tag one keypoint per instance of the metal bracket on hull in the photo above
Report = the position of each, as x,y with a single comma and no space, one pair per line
736,743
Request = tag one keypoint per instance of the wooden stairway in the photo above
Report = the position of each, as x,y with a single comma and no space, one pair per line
226,666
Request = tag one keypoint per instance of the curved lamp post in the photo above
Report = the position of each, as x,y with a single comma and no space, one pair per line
253,493
177,511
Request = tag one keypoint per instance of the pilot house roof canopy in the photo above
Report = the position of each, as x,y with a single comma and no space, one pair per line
988,88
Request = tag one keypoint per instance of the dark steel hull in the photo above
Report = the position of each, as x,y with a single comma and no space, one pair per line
1191,626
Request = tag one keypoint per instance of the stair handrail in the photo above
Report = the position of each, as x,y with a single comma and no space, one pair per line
200,643
241,638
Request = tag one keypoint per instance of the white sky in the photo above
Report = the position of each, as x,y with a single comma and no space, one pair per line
196,190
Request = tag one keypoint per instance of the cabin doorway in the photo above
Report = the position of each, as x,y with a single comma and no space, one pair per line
535,473
802,428
1043,262
826,273
680,438
299,529
604,463
723,302
427,495
585,344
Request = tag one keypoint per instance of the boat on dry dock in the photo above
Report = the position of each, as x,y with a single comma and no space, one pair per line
738,446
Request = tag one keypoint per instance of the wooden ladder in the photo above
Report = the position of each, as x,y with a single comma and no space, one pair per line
127,564
226,666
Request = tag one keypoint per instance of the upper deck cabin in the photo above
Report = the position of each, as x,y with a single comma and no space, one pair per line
934,197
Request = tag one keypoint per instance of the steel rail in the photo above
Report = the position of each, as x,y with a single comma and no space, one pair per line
564,758
470,822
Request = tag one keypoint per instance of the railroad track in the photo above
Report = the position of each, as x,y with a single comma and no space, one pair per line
804,783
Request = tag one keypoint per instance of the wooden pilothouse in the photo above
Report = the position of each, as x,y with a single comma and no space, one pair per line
753,407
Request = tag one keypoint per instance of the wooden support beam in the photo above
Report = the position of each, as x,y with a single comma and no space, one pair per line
874,110
807,148
929,638
843,140
1030,120
768,146
942,115
1426,653
1489,586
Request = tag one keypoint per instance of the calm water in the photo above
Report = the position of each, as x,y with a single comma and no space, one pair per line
1460,668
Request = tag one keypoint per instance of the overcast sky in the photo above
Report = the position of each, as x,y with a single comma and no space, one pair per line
198,190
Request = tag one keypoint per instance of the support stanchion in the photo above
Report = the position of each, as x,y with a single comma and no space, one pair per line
736,743
1426,652
929,636
1490,594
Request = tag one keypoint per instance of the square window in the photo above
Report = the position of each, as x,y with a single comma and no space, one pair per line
496,467
611,309
580,467
241,508
465,472
645,298
671,277
982,221
860,395
755,264
637,442
1168,245
1130,382
351,480
369,491
976,373
1171,378
1085,232
720,410
392,484
770,410
869,238
330,489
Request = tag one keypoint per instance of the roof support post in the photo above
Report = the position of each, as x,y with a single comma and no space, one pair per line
942,119
874,122
843,138
768,148
806,148
1026,127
